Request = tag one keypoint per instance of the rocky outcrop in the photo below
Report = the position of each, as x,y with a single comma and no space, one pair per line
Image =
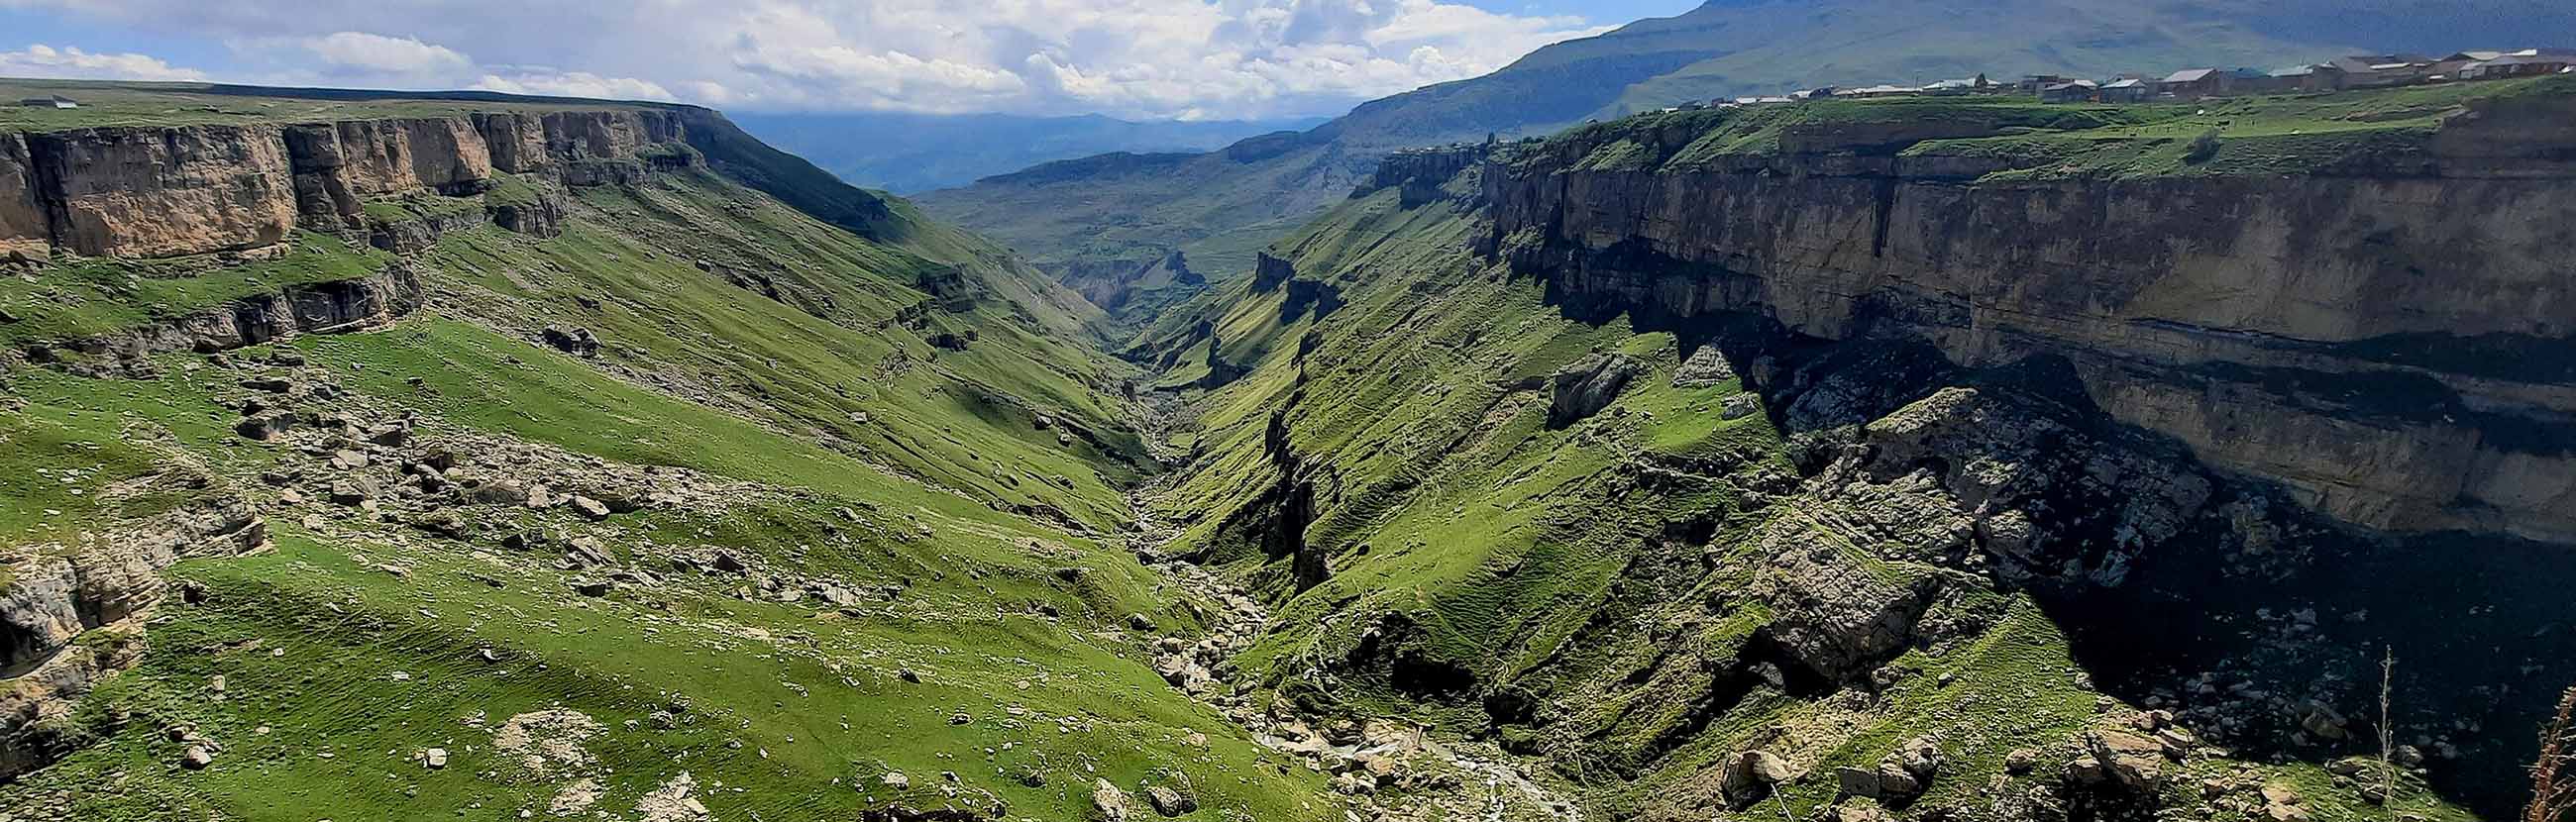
515,142
25,233
314,308
158,192
1114,283
97,585
1269,272
1588,385
539,216
1421,173
2389,343
1837,618
340,166
145,192
54,596
1303,296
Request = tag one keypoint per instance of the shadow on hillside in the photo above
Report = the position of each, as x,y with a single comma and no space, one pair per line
2245,642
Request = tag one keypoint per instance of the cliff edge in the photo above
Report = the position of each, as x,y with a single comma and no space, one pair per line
2361,302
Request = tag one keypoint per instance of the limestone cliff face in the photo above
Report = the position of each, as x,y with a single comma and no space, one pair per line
25,233
138,192
2393,344
1421,172
608,135
339,166
516,142
156,192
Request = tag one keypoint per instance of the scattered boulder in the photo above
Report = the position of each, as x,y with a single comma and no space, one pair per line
390,434
1857,781
1109,801
575,341
588,508
1169,802
499,492
2021,761
2123,760
445,523
1739,406
265,427
1861,813
2176,741
1582,389
1751,775
434,758
197,757
2281,804
2324,722
353,490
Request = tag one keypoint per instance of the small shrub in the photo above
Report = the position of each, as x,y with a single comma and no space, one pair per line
2203,148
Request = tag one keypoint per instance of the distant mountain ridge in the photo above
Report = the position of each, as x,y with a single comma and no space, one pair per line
906,152
1219,205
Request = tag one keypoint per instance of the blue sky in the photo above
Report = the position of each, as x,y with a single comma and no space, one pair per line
1190,59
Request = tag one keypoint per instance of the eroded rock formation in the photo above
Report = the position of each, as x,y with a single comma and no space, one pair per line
158,192
2389,342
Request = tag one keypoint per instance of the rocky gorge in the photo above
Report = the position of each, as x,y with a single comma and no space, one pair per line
2385,336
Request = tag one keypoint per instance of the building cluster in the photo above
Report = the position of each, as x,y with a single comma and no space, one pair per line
2355,72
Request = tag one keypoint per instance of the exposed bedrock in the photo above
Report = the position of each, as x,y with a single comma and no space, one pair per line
169,191
64,592
2397,346
340,166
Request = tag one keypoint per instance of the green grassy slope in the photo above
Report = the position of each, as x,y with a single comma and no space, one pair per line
785,362
2024,139
1593,595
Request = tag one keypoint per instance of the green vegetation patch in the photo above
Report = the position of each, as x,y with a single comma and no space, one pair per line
74,299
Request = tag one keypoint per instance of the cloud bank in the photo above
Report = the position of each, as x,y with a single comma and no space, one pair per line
1136,58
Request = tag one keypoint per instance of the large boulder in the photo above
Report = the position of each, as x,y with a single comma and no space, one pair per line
1752,773
575,341
2120,760
1108,801
1582,389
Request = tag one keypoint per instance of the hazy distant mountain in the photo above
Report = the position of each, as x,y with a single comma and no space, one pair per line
907,153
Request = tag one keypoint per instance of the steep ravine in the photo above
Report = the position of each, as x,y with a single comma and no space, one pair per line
1863,474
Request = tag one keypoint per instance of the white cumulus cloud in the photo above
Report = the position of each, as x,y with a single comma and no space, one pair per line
364,52
574,84
40,60
1149,58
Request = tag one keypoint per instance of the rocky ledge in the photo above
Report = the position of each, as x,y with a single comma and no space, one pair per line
2391,342
158,192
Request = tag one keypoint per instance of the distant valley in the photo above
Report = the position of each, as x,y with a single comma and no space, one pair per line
908,153
1217,205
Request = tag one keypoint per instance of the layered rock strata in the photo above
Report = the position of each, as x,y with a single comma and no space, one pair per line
2391,343
141,192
